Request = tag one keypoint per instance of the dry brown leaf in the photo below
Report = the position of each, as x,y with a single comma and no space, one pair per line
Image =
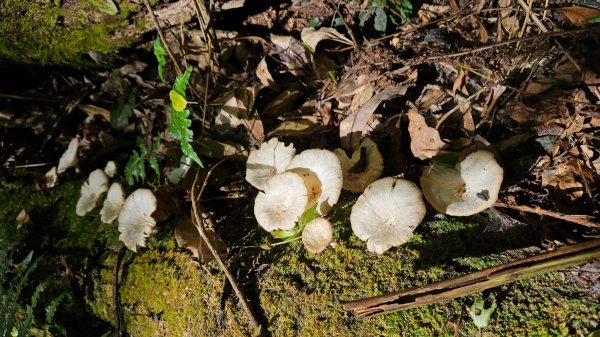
238,110
425,141
94,110
216,149
350,85
564,181
284,102
351,128
579,15
312,36
264,75
186,235
306,126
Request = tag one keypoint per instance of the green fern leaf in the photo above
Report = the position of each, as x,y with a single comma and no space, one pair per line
153,160
159,53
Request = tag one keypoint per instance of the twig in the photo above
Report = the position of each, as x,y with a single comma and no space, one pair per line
511,41
162,37
200,219
468,284
583,220
115,290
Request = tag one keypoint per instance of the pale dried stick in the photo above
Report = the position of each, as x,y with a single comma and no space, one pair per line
583,220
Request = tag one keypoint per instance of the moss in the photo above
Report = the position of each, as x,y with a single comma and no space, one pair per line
300,294
43,33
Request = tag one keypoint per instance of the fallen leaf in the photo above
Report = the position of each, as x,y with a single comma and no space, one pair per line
186,235
215,149
264,75
312,37
303,127
351,128
93,110
425,141
238,110
284,102
579,15
350,85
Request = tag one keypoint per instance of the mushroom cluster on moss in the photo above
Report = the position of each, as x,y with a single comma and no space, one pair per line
292,184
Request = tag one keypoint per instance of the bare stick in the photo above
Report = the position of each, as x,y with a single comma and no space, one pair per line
162,38
583,220
200,219
468,284
115,290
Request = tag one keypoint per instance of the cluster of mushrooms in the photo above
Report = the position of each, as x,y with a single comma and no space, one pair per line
389,209
134,213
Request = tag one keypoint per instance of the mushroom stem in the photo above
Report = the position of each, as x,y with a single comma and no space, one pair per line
200,219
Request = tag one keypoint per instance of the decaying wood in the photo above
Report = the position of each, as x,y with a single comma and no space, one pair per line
202,220
475,282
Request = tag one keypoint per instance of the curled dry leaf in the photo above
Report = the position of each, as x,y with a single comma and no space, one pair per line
238,111
283,103
312,36
264,75
425,141
351,128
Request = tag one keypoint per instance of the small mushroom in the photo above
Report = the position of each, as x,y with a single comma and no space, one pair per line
465,189
317,235
387,213
113,203
51,177
285,198
96,184
135,219
69,157
365,166
110,169
326,166
273,157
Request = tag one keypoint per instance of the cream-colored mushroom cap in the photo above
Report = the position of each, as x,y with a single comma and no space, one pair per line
110,169
326,166
271,158
69,157
113,203
317,235
96,184
135,219
357,178
284,199
387,213
51,177
466,189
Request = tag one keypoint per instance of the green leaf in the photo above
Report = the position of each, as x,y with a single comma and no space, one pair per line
446,159
135,170
480,314
121,110
153,159
314,22
364,16
181,82
104,6
380,22
308,215
177,100
159,53
594,19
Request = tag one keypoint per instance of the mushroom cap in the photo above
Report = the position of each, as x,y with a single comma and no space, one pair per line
135,219
113,203
312,183
466,189
110,169
358,181
69,157
284,199
326,166
271,158
387,213
96,184
317,235
51,177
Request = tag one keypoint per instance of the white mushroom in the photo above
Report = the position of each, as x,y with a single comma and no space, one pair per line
317,235
51,177
312,183
135,219
387,213
110,169
96,184
365,166
326,166
69,157
113,203
273,157
466,189
284,199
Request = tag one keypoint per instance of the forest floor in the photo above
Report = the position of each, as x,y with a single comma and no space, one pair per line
426,81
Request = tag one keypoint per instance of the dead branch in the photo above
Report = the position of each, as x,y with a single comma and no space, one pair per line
476,282
202,219
583,220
